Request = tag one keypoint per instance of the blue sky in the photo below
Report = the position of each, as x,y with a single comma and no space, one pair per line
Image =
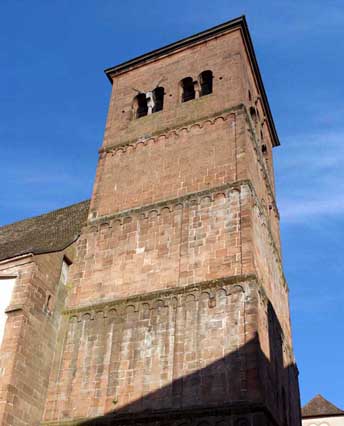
53,104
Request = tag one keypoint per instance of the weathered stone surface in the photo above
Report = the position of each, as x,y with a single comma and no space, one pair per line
176,311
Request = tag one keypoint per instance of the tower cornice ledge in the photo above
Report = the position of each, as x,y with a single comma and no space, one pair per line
95,225
233,280
173,130
194,197
225,114
239,23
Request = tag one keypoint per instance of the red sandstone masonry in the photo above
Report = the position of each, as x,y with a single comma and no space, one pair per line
189,160
181,197
223,55
135,348
29,342
178,299
179,244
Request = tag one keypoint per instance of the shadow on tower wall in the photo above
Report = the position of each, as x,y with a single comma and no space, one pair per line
244,388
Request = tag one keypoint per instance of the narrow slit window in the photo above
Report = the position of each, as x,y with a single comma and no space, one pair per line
258,115
249,96
140,105
48,304
253,114
206,82
188,89
158,96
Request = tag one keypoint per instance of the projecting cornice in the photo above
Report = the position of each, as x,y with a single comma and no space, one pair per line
235,24
144,212
188,126
233,284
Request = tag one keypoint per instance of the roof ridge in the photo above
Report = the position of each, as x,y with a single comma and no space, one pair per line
17,222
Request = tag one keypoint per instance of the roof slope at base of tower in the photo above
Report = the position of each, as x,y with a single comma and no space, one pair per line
46,233
320,407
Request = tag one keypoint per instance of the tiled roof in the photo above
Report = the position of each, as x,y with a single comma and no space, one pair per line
49,232
319,406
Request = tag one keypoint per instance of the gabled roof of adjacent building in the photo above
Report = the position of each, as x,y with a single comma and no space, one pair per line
320,407
238,23
53,231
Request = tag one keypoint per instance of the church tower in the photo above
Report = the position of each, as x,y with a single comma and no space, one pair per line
178,313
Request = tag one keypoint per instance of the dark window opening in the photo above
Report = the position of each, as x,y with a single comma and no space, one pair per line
48,305
188,89
206,81
253,114
141,107
249,96
158,95
264,149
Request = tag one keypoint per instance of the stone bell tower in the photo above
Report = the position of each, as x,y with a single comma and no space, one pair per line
179,313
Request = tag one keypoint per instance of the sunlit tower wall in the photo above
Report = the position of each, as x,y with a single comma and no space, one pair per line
179,313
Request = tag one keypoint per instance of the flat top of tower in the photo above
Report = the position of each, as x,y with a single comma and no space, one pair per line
238,23
170,48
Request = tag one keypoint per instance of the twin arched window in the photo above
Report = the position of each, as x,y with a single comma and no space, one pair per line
151,102
148,103
258,126
194,89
